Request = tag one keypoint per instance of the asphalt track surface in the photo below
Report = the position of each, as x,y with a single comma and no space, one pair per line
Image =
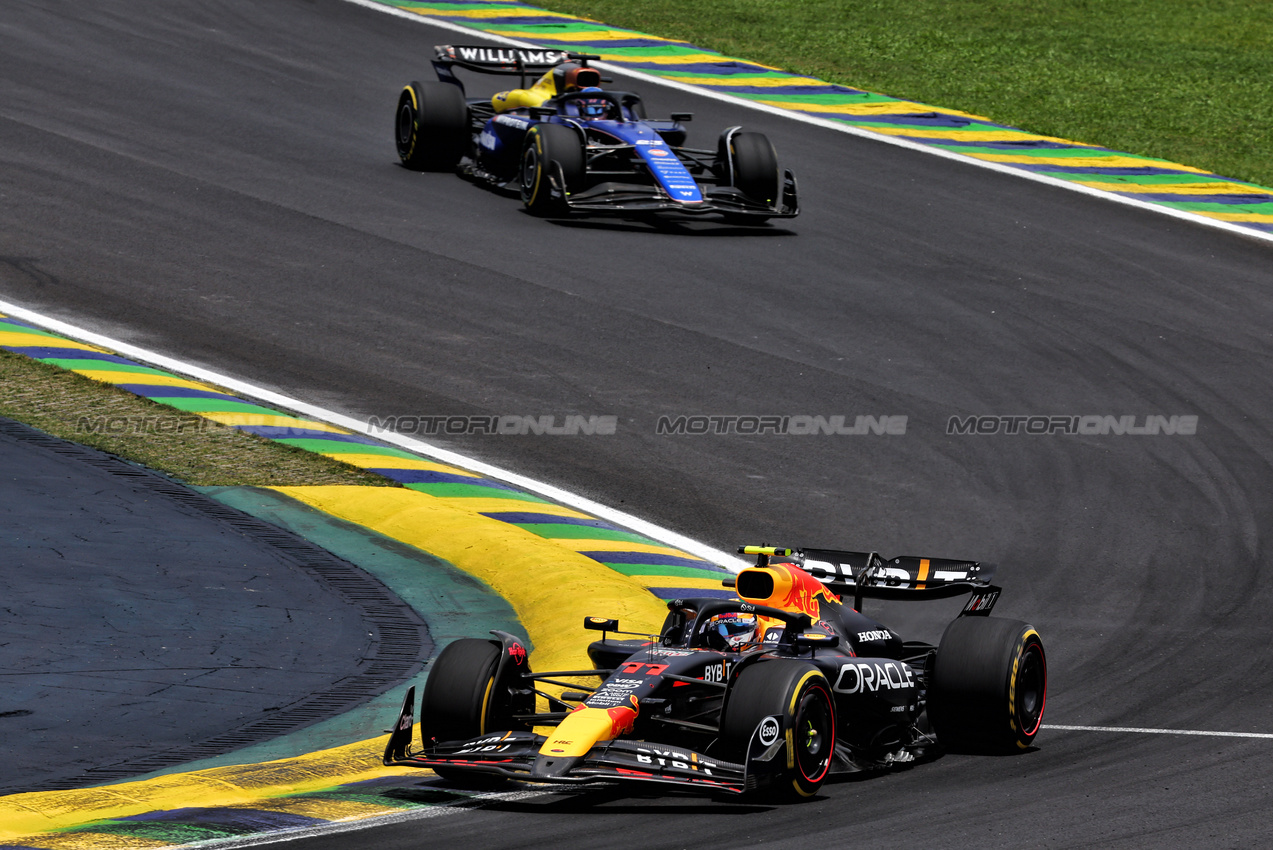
144,625
217,181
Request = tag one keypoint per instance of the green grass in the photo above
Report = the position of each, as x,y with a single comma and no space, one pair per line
183,445
1185,80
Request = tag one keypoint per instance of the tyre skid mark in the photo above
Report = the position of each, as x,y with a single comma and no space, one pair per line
178,808
645,561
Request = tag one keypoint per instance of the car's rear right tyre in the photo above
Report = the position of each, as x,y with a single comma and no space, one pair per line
431,127
799,695
989,685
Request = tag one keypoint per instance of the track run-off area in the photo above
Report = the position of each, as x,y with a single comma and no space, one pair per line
216,183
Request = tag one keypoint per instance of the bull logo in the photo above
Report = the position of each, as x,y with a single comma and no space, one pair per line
806,593
623,718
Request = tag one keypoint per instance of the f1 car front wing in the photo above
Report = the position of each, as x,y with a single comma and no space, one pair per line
629,199
516,755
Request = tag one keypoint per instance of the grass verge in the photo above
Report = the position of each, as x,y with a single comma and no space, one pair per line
1185,80
188,447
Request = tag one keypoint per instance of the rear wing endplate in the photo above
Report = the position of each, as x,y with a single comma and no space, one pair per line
869,575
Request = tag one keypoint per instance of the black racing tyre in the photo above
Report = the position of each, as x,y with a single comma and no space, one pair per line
431,127
754,166
547,143
800,696
989,685
458,701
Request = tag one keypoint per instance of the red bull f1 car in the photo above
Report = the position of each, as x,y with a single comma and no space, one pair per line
770,692
567,145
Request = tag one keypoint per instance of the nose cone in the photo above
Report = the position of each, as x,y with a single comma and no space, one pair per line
586,726
548,766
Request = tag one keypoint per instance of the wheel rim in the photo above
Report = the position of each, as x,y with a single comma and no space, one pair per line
1031,690
530,170
814,735
406,123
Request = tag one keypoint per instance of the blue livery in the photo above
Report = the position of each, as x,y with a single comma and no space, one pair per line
568,146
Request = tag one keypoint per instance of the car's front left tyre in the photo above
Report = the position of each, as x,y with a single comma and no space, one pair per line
799,697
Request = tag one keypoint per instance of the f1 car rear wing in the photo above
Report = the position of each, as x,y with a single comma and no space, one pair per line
485,59
867,574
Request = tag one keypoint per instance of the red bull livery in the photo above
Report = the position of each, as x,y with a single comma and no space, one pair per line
768,693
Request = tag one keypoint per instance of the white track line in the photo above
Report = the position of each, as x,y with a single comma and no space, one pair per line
1143,731
902,143
482,799
424,813
1227,226
587,505
311,411
726,559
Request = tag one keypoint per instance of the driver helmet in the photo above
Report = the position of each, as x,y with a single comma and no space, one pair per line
594,107
731,631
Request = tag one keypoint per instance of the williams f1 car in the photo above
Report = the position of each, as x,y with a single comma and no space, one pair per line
769,692
569,146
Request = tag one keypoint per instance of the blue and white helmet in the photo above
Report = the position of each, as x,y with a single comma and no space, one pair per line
594,107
